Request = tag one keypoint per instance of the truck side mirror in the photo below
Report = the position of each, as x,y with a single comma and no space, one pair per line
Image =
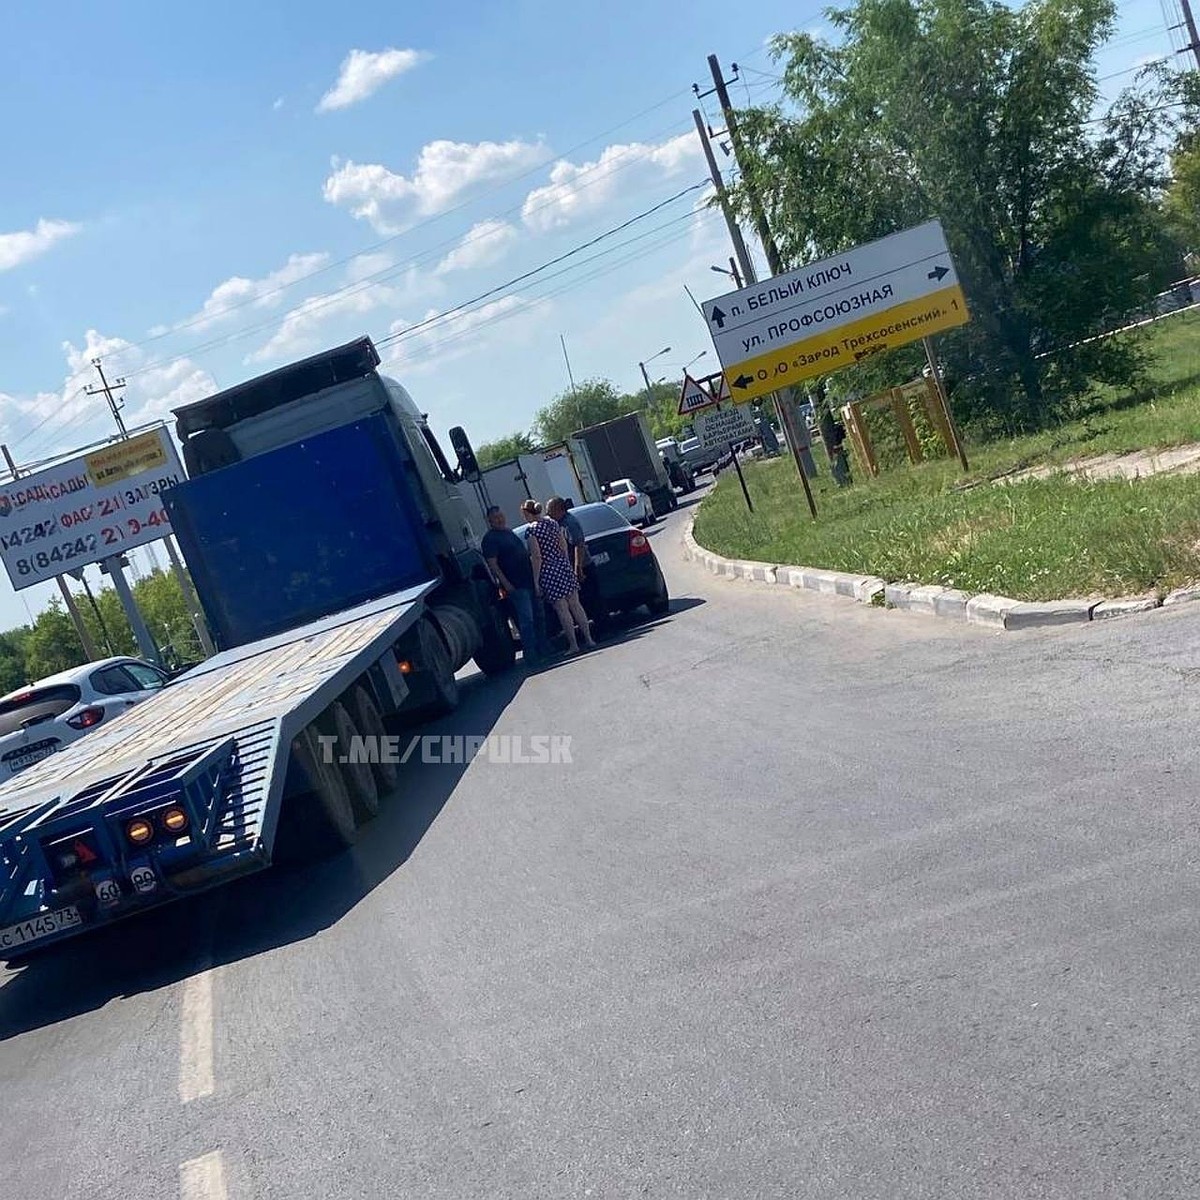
467,463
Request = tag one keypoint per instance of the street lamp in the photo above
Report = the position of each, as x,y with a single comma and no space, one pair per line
731,271
687,365
645,376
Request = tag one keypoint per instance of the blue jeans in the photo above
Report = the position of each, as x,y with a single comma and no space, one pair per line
527,607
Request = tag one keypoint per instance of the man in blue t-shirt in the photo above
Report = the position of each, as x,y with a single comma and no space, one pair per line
508,558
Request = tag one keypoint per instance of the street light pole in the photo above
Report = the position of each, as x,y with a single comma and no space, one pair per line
646,374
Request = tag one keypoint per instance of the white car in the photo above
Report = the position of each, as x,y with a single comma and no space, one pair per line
634,505
37,720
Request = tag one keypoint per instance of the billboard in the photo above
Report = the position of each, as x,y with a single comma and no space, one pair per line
94,506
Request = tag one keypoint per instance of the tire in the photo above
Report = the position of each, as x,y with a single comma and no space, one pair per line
498,651
650,518
357,776
365,714
435,661
660,605
318,819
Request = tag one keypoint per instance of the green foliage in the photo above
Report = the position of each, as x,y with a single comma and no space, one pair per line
1182,201
1042,539
591,401
503,449
980,114
51,644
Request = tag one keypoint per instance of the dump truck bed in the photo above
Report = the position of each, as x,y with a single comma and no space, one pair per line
219,736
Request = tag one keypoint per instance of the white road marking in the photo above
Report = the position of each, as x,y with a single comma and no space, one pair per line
196,1039
203,1178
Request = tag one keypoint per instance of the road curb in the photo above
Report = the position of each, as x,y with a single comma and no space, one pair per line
929,600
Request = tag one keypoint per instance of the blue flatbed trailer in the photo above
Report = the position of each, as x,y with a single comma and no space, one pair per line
215,743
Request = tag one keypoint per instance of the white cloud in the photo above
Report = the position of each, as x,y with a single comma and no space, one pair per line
438,343
151,391
70,418
483,244
278,104
364,72
26,244
267,292
575,192
445,172
318,320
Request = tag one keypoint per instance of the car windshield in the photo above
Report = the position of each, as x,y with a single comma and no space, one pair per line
690,444
620,487
37,704
599,518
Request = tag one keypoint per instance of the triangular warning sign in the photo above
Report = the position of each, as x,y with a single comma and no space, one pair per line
693,397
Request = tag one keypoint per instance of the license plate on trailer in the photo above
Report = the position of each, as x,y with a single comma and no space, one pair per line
20,761
39,927
601,558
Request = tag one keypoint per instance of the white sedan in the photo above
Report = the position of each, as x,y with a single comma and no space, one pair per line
634,505
37,720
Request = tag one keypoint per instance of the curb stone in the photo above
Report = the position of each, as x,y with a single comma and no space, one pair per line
930,600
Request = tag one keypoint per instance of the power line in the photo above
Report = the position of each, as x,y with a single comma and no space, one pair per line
358,286
694,187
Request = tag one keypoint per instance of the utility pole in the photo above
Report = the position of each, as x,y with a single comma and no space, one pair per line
113,566
1190,22
106,390
743,255
85,638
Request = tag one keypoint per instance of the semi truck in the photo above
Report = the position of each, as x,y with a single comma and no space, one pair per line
336,559
623,449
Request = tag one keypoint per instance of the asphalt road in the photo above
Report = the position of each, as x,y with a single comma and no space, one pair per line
829,902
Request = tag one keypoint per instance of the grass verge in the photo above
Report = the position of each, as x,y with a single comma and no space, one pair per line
1042,539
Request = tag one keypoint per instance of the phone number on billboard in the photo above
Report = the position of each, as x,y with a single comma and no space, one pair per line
81,547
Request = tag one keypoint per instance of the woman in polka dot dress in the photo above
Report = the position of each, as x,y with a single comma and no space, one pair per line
554,580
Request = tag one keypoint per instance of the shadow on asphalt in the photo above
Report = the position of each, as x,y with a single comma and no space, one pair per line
276,907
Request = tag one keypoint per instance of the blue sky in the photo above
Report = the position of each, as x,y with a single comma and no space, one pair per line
199,193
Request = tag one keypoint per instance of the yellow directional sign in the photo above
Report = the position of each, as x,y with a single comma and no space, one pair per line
843,347
834,313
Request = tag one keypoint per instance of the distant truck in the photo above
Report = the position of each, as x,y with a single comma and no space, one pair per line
538,475
623,449
337,561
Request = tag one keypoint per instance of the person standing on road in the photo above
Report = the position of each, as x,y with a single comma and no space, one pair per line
553,577
508,556
558,510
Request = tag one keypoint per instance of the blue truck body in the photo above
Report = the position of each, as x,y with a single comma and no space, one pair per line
333,582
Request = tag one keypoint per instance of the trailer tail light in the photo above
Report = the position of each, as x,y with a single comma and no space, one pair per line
174,820
639,543
631,500
86,718
139,831
406,667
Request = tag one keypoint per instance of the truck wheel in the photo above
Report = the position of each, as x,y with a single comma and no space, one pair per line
365,714
498,651
318,820
435,660
355,772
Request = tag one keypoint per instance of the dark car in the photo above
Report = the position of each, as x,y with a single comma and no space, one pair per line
623,573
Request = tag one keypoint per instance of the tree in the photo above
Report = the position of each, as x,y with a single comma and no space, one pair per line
503,449
1182,201
980,115
52,645
588,403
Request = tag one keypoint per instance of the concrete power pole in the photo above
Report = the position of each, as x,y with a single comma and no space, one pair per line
782,407
1190,22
